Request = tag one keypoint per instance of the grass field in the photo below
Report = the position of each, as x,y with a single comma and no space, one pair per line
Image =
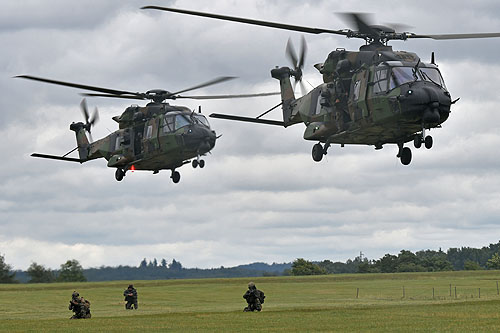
307,304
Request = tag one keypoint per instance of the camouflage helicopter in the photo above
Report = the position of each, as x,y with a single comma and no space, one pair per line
374,96
155,137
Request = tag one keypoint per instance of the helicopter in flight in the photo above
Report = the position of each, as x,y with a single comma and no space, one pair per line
155,137
374,96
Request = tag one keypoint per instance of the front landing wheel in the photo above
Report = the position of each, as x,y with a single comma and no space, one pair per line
405,156
176,176
119,174
317,152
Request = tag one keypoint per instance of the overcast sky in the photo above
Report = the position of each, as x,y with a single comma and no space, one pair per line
260,196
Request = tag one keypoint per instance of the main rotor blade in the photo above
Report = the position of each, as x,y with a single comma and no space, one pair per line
206,84
228,96
361,21
77,85
251,21
60,158
114,96
458,36
247,119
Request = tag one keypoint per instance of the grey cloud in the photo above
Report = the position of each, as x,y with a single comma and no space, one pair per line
259,178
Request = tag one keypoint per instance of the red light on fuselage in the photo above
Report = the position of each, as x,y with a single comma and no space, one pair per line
132,168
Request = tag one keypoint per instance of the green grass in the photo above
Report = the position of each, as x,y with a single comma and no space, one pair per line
320,303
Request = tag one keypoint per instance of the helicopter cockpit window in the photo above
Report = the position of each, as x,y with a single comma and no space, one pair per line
180,121
380,80
168,123
402,75
201,119
433,75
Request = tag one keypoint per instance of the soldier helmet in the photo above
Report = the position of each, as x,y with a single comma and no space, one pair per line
251,285
130,286
75,294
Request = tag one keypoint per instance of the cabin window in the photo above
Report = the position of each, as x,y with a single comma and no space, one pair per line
149,132
118,142
168,123
380,81
355,92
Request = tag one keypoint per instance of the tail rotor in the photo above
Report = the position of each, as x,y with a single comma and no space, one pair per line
89,121
297,62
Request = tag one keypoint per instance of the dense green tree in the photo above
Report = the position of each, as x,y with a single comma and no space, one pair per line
71,271
39,274
470,265
367,266
494,261
6,274
433,261
163,263
304,267
387,264
177,266
143,263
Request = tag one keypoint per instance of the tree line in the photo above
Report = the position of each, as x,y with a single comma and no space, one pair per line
464,258
455,259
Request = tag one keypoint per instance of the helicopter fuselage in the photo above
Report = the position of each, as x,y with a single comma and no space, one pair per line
371,97
155,137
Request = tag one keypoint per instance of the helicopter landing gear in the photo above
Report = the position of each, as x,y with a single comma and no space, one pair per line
198,162
428,142
417,141
318,152
404,154
119,174
419,138
176,176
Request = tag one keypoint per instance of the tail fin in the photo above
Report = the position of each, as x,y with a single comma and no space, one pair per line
81,139
287,95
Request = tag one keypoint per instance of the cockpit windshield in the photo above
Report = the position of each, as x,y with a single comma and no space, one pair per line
433,75
181,121
201,119
402,75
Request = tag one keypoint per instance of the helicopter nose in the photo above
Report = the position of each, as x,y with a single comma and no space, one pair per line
427,103
201,139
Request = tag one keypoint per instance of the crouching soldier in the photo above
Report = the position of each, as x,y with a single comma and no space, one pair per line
80,306
130,297
254,298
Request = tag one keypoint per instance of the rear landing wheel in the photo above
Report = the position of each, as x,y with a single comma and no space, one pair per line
176,176
405,156
417,141
119,174
428,142
317,152
195,164
201,163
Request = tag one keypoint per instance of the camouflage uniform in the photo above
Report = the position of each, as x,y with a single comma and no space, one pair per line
131,297
85,308
80,306
254,298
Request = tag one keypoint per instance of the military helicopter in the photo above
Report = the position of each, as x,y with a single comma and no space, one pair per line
155,137
374,96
